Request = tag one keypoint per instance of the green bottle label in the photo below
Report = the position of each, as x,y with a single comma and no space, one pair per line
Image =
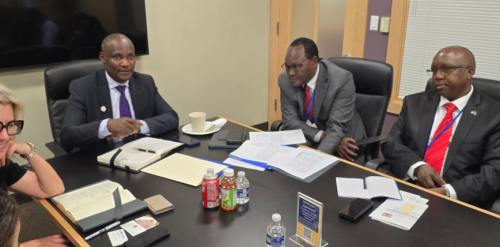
228,198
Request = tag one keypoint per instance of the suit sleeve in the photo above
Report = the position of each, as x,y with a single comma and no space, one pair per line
340,115
165,118
291,120
483,188
399,157
76,131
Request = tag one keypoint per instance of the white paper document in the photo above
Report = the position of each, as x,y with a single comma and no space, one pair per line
266,153
401,214
133,228
286,137
239,163
306,163
376,186
117,237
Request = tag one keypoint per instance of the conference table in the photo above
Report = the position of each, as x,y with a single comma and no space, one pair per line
446,222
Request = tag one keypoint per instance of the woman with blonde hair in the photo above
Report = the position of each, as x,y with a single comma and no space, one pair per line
43,181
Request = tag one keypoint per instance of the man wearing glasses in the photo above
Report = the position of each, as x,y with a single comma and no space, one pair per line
448,139
318,97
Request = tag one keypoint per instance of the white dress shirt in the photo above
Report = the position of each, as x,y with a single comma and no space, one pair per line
115,104
440,114
312,84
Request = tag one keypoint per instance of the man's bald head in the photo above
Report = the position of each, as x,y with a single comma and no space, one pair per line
453,68
118,57
460,51
109,38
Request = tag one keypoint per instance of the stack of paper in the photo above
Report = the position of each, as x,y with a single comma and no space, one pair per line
299,162
286,137
401,214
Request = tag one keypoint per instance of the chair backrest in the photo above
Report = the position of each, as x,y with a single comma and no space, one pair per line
486,86
373,81
57,81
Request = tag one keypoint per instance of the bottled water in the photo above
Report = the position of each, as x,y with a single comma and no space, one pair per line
276,233
243,188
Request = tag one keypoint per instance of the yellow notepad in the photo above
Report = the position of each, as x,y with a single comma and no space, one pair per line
183,168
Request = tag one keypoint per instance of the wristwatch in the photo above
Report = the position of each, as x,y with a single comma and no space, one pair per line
33,151
447,191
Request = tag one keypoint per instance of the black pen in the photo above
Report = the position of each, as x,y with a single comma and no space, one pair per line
364,181
145,150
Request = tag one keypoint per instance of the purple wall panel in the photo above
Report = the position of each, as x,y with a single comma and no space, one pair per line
375,41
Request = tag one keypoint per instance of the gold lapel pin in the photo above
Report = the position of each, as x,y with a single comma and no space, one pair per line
473,113
103,108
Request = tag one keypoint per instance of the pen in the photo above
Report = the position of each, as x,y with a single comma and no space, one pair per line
105,229
145,150
364,181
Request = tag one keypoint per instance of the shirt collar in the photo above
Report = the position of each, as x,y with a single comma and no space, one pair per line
460,102
113,84
312,83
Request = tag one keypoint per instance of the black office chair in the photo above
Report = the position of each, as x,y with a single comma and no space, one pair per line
57,81
373,81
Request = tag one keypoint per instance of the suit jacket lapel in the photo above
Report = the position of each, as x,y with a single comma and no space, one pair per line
103,95
299,93
135,96
426,121
320,90
465,124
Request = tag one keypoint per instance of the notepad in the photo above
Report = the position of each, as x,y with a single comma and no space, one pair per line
136,160
376,186
91,200
183,169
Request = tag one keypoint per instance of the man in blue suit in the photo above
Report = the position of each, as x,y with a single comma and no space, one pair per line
115,102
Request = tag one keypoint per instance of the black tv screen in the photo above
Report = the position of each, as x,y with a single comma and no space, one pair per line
42,32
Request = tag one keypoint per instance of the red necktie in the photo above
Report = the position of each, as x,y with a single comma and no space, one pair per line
436,152
307,100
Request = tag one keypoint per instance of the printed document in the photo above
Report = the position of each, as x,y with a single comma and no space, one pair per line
270,154
286,137
306,163
239,163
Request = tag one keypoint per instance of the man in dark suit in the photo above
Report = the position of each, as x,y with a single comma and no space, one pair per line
448,139
115,102
318,97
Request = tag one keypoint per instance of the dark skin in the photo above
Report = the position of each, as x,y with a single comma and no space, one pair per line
118,57
452,85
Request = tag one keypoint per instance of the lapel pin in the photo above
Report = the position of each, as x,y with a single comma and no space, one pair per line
103,108
473,113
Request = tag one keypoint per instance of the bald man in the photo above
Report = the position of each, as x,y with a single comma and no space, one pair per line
448,139
115,102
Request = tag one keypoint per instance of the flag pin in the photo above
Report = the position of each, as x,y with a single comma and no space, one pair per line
473,113
103,108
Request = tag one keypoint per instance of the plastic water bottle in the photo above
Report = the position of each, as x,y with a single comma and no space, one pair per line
276,232
243,188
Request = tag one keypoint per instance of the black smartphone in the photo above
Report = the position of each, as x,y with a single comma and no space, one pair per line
235,137
188,140
355,209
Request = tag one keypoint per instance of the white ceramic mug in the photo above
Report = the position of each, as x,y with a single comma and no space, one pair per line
198,121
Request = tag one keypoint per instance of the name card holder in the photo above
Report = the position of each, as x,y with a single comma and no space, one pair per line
309,222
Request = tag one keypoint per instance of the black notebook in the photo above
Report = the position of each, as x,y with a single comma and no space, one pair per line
92,206
219,140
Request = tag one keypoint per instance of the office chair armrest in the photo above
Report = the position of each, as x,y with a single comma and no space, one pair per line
374,164
276,125
56,149
496,207
370,140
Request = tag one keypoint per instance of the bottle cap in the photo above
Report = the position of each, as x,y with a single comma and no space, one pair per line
276,217
241,174
210,170
228,172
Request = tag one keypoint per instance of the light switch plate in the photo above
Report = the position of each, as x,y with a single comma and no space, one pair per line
384,24
374,22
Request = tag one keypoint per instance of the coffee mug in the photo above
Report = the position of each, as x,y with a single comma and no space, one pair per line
197,121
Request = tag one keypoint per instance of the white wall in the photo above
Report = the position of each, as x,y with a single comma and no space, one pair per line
331,28
210,56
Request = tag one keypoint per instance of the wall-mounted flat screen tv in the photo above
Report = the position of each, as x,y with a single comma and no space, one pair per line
43,32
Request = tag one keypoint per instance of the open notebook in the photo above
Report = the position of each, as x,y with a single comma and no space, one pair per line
94,205
376,186
136,160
